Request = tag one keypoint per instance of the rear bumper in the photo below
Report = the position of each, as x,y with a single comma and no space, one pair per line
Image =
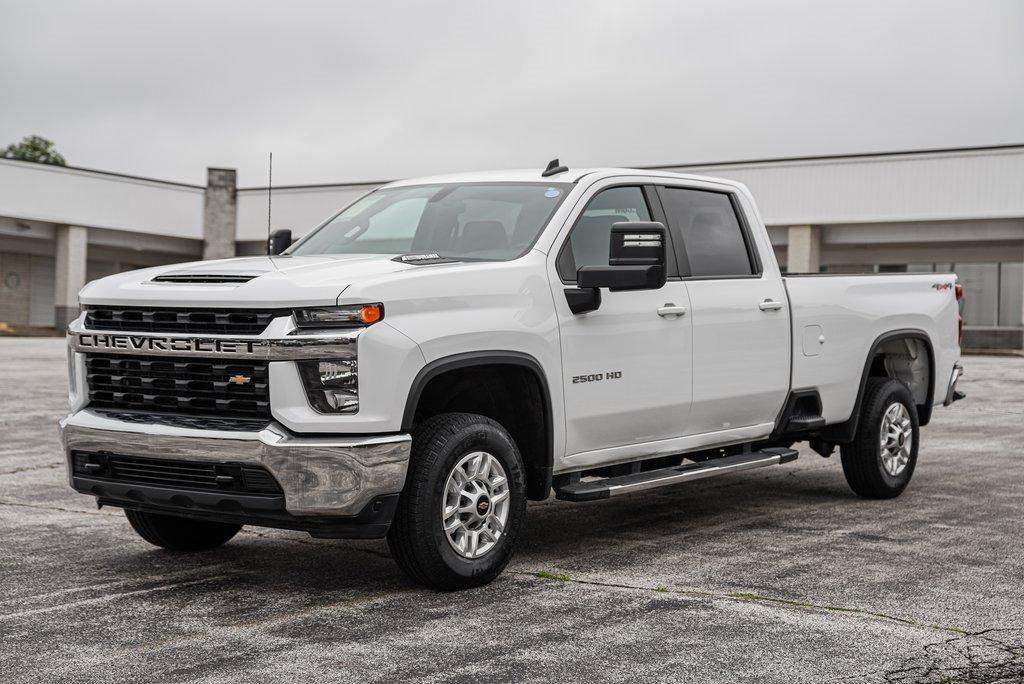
951,392
323,479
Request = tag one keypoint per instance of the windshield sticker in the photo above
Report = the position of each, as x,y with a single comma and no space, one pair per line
552,192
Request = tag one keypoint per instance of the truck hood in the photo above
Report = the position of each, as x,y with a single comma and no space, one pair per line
265,282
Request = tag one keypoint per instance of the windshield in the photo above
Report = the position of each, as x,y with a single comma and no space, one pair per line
498,221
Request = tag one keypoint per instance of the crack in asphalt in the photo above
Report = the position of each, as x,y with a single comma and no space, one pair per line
750,598
967,657
975,658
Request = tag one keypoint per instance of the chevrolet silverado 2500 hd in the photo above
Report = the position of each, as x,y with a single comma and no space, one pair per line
443,350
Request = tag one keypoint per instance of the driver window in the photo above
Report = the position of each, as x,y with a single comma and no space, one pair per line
587,244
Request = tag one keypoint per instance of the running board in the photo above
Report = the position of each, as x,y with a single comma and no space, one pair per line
638,482
805,423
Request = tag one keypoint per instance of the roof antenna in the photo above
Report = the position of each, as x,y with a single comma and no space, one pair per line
270,185
553,168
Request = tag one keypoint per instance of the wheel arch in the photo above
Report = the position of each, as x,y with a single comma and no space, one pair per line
538,462
844,432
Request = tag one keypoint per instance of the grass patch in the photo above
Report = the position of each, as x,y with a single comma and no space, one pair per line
557,576
661,589
746,596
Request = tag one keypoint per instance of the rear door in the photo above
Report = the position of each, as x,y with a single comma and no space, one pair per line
739,309
626,366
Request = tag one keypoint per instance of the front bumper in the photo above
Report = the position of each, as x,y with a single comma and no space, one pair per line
322,478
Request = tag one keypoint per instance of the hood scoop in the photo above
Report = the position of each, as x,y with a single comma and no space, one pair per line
233,278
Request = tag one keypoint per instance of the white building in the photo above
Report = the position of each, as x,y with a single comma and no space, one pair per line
960,210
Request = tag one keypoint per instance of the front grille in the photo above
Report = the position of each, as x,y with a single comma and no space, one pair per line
209,387
197,321
156,472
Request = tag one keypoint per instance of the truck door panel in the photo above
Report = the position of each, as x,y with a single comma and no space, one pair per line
626,366
740,313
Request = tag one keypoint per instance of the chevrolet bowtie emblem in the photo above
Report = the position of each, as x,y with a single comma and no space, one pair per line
239,379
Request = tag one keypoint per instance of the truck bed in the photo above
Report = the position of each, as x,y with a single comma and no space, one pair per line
837,320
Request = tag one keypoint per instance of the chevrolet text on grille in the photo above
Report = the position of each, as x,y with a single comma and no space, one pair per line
143,342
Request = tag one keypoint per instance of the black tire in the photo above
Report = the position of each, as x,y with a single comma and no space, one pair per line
417,538
862,458
180,534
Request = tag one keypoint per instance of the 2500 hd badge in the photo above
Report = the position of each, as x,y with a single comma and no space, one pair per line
596,377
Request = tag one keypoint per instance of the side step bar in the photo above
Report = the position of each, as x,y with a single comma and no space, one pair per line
805,423
638,482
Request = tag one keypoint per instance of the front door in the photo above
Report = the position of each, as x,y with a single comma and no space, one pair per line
626,366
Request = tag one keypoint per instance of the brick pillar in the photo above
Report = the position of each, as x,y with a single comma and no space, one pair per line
69,276
220,214
803,250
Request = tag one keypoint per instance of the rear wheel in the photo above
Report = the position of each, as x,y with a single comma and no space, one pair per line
463,503
880,461
180,534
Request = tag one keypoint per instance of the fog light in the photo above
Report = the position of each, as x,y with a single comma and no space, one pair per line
331,386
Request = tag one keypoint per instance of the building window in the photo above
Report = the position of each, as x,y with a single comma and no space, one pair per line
993,292
981,292
1011,294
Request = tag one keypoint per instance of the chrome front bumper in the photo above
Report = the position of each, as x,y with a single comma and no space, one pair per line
320,476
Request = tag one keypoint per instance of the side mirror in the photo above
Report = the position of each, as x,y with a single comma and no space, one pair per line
279,241
636,259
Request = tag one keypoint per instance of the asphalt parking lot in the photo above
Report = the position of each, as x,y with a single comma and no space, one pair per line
779,574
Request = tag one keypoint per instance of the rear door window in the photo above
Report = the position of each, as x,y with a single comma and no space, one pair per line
714,242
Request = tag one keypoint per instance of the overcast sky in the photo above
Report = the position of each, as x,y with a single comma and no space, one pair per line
344,91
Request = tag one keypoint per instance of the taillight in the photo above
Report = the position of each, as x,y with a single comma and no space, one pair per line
959,287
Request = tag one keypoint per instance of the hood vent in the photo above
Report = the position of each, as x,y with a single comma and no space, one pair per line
205,278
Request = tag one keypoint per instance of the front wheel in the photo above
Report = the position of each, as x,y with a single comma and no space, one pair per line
880,460
463,503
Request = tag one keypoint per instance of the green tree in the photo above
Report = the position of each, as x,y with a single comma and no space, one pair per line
34,148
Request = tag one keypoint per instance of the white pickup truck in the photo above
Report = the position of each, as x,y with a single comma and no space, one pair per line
445,349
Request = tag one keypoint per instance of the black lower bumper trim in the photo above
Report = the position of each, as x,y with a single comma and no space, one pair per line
372,522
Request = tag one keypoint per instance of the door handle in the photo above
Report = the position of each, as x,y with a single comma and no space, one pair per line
769,305
671,309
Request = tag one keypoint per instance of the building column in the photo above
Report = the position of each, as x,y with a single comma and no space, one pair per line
803,250
72,249
220,214
1020,287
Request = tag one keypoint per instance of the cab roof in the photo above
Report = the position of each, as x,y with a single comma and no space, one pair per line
573,175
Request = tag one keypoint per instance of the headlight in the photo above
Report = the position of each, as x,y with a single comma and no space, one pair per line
332,386
350,316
